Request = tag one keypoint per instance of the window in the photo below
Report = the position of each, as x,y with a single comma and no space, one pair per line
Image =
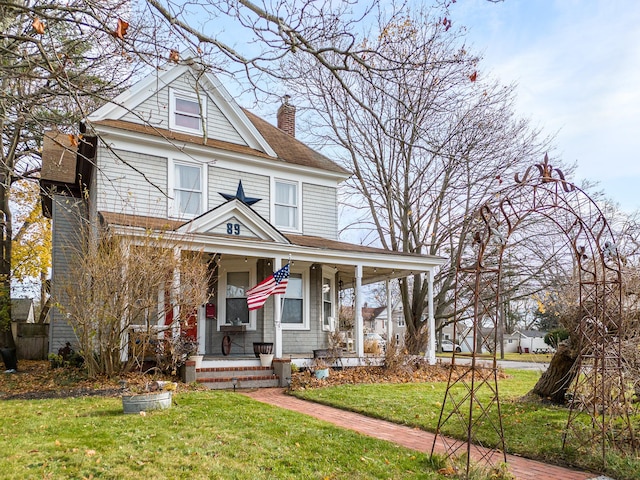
292,309
295,304
286,204
327,304
237,310
185,111
188,192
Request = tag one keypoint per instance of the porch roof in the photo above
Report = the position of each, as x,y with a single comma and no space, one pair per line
377,264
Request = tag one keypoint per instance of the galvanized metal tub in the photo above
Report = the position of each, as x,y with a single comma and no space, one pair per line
146,401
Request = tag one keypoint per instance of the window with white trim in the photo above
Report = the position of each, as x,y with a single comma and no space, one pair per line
328,316
186,111
286,204
237,310
295,304
187,189
235,278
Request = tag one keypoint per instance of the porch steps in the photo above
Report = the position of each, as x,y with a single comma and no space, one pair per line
220,378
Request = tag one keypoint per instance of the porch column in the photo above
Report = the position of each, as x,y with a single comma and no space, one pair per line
389,312
124,321
431,348
358,313
277,315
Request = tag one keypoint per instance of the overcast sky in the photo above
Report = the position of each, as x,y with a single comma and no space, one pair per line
577,66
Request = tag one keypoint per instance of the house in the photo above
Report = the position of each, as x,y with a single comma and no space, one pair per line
531,341
397,329
516,342
30,337
175,154
22,310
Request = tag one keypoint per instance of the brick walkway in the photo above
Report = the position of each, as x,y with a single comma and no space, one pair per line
412,438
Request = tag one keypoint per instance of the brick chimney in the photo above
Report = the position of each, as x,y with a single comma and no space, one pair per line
287,117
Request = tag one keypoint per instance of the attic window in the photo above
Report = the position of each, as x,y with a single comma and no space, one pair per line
185,111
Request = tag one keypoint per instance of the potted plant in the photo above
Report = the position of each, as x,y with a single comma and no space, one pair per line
266,359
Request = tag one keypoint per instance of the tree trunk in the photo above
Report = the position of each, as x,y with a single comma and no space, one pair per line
6,337
555,382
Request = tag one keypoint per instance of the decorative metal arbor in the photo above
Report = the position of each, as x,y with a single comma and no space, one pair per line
599,392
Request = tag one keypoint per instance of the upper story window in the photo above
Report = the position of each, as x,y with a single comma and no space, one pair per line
286,204
188,191
186,111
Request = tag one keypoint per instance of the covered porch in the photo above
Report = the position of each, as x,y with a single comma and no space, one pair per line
242,249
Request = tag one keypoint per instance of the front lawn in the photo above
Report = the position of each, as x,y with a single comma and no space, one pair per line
204,435
530,429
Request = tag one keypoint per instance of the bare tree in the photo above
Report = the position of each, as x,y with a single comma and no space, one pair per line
124,299
61,58
434,143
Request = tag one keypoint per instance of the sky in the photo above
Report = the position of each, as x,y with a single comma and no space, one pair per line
576,64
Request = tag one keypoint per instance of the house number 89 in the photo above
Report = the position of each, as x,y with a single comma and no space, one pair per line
233,228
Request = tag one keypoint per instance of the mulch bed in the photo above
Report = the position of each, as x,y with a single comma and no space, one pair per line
37,380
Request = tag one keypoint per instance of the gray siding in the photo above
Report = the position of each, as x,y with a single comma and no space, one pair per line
305,341
67,239
131,183
320,211
155,111
226,181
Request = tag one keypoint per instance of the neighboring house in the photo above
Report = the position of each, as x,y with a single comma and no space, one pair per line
372,321
398,326
161,156
531,341
30,337
465,340
22,310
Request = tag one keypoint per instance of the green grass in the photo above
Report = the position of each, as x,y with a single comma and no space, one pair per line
205,435
530,429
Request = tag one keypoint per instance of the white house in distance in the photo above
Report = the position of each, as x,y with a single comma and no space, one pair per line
175,154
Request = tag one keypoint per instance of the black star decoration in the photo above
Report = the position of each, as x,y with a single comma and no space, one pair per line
240,196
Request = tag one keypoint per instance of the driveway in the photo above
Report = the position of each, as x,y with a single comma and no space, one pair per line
516,365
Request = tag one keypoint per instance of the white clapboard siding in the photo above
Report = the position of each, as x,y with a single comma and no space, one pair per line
131,183
319,211
155,110
226,181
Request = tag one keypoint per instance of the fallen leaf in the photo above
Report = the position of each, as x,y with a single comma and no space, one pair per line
90,453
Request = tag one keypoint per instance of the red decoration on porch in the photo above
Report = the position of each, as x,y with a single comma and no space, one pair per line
210,310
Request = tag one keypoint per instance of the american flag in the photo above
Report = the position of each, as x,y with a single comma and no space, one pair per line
273,284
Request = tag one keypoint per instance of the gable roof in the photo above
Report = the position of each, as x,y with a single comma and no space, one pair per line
148,86
263,139
531,333
291,150
212,220
21,309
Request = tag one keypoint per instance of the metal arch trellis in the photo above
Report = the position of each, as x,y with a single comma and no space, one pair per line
600,389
